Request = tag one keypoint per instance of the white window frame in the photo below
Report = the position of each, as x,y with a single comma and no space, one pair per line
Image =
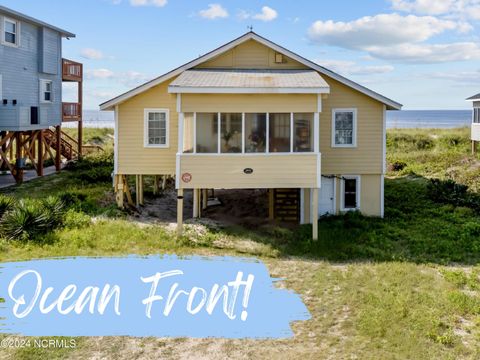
17,33
354,130
342,192
267,145
475,115
43,83
167,128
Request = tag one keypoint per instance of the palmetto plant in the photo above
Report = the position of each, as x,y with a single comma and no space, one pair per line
26,220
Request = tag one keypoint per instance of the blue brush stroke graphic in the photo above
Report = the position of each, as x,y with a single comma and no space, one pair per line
269,311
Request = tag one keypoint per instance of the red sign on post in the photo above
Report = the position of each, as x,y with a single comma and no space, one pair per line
186,177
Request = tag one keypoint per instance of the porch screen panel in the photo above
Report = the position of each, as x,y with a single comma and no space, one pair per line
207,133
279,132
231,133
188,134
303,132
255,132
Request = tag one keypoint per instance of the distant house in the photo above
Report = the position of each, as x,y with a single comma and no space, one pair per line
254,115
31,110
475,134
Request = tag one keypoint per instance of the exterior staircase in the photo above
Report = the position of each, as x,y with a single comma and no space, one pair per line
68,145
286,205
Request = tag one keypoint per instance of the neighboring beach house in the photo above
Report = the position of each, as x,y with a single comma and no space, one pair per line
254,115
31,110
475,134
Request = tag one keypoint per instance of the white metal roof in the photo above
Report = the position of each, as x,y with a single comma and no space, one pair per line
249,81
474,97
110,105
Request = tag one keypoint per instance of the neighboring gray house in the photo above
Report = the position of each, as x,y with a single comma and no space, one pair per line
475,137
31,75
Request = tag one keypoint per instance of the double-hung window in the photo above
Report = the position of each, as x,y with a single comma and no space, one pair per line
10,32
46,91
156,128
344,128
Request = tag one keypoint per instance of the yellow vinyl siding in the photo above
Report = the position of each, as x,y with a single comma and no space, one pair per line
249,103
251,55
370,191
269,171
367,157
133,157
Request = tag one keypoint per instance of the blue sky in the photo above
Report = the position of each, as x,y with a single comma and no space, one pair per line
422,53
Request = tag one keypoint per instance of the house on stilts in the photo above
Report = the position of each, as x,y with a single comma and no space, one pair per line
254,115
32,71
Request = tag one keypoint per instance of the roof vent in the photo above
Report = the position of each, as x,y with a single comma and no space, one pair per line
278,58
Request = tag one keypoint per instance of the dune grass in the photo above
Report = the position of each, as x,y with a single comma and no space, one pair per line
405,287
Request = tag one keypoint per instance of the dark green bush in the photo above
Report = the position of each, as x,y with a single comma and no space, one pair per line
95,175
55,210
25,221
6,204
397,166
450,192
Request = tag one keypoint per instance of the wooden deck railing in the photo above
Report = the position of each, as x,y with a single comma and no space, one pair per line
72,70
71,111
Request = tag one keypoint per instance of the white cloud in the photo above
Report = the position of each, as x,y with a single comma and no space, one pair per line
132,78
397,38
345,67
431,7
428,53
100,74
92,54
267,14
214,11
378,30
465,77
157,3
462,8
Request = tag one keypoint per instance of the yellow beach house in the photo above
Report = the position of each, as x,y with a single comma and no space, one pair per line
475,130
254,115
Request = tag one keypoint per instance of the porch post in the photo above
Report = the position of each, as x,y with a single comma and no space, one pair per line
155,185
314,214
180,212
119,191
204,199
271,201
195,203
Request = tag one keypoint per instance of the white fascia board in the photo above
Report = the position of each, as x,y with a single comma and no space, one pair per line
245,90
391,105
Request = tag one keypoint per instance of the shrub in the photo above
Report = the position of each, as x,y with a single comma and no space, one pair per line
72,198
54,210
27,220
6,204
450,192
397,166
95,175
76,220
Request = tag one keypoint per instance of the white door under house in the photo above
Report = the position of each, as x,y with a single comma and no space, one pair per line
326,197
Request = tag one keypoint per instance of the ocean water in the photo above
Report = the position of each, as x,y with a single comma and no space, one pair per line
395,119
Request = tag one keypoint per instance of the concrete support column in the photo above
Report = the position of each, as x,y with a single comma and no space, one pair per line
119,190
314,213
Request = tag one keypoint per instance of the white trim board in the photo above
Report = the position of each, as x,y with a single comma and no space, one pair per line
245,90
145,128
391,105
342,193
